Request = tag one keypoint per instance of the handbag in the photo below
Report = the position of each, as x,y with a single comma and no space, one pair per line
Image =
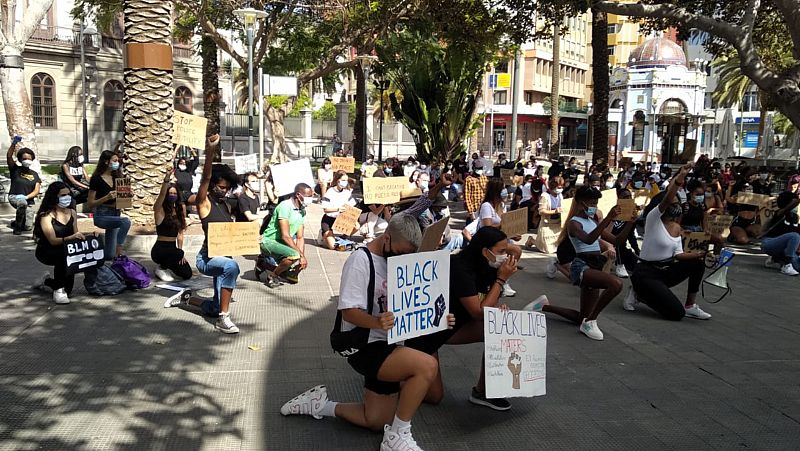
350,342
131,271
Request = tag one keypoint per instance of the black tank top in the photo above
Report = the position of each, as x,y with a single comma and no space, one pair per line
61,231
692,215
167,228
219,213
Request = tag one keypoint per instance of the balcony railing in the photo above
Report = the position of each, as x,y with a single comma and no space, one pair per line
63,37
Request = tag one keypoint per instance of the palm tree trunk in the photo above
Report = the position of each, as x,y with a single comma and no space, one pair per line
147,111
600,88
208,52
555,132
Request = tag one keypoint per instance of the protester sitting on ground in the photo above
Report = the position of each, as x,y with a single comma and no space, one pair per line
477,275
793,185
373,220
663,263
396,378
410,166
284,237
184,177
169,213
368,167
491,215
695,217
324,177
623,236
334,202
249,201
550,202
386,170
212,207
25,186
56,222
781,238
524,198
475,189
744,226
461,240
103,200
74,175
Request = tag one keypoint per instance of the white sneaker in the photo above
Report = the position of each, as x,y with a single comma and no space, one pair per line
398,441
508,291
621,272
696,312
552,268
590,329
182,297
310,402
164,275
536,305
60,296
630,301
789,270
40,284
769,263
225,325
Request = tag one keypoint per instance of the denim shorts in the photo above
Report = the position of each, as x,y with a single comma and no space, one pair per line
695,228
576,271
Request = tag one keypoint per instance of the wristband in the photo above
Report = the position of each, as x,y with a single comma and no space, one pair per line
503,281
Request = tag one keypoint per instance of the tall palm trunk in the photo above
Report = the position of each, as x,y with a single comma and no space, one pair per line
147,111
208,52
600,87
555,132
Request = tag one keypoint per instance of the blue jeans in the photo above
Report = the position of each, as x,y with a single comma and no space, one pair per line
783,248
224,270
456,242
26,211
116,228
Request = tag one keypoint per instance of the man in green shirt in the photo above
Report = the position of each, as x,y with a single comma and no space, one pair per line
283,236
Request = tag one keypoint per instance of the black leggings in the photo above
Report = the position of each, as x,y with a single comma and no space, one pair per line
56,257
167,255
652,283
626,257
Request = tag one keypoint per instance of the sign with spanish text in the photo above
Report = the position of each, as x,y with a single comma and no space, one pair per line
84,254
189,130
384,190
720,225
246,163
696,241
346,164
515,349
124,193
346,221
231,239
768,211
515,222
419,294
286,176
507,175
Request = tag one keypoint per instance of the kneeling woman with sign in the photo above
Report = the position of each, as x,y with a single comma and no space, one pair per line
56,222
360,333
477,276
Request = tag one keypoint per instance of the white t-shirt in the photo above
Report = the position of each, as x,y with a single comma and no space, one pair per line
353,291
473,226
658,244
337,199
325,175
488,212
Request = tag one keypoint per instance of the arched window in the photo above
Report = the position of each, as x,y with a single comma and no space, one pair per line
616,104
113,94
183,100
638,131
43,101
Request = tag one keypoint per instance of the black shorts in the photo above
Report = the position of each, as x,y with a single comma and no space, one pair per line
430,344
739,221
368,361
327,224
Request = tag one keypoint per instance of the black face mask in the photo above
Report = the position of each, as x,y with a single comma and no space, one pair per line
389,253
218,194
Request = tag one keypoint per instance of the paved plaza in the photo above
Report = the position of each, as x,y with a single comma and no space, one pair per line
123,373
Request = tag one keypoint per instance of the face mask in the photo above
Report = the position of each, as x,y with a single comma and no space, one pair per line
574,166
327,167
445,212
424,188
343,184
307,201
498,260
410,163
254,186
591,211
700,198
218,193
504,194
64,201
387,170
609,185
559,190
172,198
449,166
80,159
115,166
414,177
181,167
637,185
479,172
26,163
422,166
763,176
388,253
369,162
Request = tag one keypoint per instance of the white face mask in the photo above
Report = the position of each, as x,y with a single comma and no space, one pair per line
559,190
182,167
254,186
80,159
343,184
307,201
327,167
498,260
609,185
479,172
26,163
64,201
446,212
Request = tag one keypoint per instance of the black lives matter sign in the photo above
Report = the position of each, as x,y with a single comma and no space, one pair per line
84,254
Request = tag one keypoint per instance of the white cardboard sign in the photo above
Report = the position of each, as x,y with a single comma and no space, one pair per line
246,163
515,344
287,175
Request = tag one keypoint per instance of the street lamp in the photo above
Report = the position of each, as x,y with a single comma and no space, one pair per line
365,61
382,85
84,78
249,16
621,132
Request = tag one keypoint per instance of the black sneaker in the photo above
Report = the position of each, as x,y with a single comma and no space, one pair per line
480,399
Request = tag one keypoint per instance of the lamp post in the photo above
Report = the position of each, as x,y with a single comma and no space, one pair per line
382,85
84,93
620,132
366,61
249,16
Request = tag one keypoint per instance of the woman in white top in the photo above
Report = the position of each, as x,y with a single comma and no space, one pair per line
324,176
664,264
550,202
334,202
491,215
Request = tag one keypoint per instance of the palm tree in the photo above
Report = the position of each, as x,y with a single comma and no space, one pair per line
600,88
555,131
208,52
147,111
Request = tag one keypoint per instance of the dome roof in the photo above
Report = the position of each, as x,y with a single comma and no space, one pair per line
657,52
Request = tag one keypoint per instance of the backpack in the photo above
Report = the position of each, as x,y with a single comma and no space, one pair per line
350,342
132,272
103,281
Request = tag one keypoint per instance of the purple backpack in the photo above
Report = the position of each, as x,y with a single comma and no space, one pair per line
131,271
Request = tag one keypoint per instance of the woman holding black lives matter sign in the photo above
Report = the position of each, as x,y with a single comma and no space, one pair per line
56,223
387,405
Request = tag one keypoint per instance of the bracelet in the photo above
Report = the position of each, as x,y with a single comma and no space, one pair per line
503,281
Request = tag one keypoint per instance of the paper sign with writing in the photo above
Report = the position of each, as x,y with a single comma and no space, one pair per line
384,190
230,239
124,193
696,241
529,171
432,236
507,175
760,200
84,254
515,222
515,346
419,294
246,163
189,130
287,175
346,221
628,207
768,210
346,164
720,225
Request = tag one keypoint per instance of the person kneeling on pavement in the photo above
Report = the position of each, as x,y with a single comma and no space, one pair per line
25,186
282,242
781,239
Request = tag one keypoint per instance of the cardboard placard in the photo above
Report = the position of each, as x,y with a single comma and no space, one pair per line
566,205
410,192
529,171
384,190
760,200
124,193
607,202
629,211
507,175
689,151
246,163
641,197
547,236
346,221
346,164
84,254
418,294
432,235
515,222
720,225
696,241
189,130
768,210
515,348
231,239
287,175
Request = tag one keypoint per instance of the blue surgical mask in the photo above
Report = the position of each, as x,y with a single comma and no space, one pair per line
591,211
387,170
64,201
504,194
638,185
700,198
115,166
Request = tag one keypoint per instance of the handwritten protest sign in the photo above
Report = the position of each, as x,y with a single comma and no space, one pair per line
287,175
720,225
384,190
84,254
515,222
346,164
696,241
229,239
246,163
189,130
432,236
768,210
419,294
124,193
760,200
410,192
529,171
346,221
628,207
507,175
515,345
